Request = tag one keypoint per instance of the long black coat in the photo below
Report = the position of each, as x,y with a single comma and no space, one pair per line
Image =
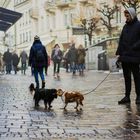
129,41
73,54
7,57
15,59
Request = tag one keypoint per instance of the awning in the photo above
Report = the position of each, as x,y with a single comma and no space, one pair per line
8,18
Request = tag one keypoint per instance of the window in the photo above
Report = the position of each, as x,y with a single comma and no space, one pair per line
30,36
68,17
20,38
118,15
42,23
26,36
26,18
23,37
71,19
53,21
48,23
65,19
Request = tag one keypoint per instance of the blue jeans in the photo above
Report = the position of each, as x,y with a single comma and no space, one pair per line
81,67
40,72
73,66
8,68
23,67
56,67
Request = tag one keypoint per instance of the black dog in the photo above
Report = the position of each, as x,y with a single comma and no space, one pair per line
47,95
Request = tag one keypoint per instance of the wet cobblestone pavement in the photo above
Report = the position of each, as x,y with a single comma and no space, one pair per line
101,119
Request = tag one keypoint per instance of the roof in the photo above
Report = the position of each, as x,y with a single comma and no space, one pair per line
8,18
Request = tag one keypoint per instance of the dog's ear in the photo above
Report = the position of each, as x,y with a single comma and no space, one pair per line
31,87
59,92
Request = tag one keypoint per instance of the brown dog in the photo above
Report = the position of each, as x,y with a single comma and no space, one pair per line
69,97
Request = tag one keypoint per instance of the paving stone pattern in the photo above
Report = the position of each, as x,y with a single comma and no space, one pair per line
102,118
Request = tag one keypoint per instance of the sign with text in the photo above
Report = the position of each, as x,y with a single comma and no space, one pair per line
78,31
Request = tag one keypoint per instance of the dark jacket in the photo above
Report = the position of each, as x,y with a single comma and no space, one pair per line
57,58
23,57
7,57
32,56
129,42
73,54
15,59
81,56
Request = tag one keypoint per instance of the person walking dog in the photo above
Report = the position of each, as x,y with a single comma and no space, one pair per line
128,53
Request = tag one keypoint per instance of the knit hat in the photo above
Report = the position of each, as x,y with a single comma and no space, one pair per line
132,12
36,38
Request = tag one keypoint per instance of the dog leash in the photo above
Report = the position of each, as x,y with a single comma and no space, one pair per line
62,98
98,84
94,88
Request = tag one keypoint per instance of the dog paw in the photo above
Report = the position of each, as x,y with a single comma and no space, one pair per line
50,106
37,105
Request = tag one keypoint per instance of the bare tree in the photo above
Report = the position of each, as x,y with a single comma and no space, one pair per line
87,22
89,27
107,16
131,3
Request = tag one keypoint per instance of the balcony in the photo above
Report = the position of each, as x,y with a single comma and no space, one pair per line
61,4
50,7
87,2
34,13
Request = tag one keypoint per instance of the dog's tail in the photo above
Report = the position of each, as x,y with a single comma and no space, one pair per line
31,88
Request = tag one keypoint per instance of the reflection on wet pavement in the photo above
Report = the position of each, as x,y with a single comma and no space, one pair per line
101,117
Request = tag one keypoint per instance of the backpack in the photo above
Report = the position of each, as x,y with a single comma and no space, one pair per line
39,55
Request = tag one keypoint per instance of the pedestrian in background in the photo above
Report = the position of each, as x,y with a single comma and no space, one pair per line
81,59
128,56
73,56
46,68
38,60
24,59
66,60
7,58
56,57
15,61
1,64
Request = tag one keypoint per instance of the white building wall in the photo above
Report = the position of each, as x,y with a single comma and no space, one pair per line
23,27
7,38
47,25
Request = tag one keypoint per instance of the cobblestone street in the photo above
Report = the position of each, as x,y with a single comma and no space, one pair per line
102,118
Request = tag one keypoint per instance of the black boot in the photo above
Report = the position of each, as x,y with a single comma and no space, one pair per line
124,100
37,86
43,84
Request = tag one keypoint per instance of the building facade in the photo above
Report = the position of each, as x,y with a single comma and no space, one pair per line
55,21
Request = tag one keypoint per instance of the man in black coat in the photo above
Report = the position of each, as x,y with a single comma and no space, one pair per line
129,54
73,57
15,60
7,58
